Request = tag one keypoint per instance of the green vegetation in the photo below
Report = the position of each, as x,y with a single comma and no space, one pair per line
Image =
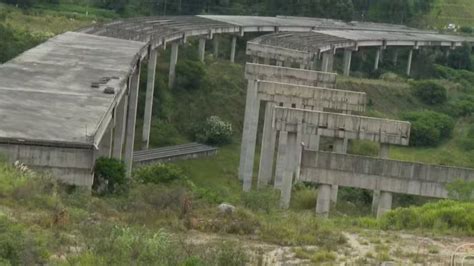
430,92
159,173
214,131
428,128
109,176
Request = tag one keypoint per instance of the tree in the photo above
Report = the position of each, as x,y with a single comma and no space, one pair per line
461,58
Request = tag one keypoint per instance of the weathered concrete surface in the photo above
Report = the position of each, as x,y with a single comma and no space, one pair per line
57,117
342,126
309,97
379,174
290,75
150,89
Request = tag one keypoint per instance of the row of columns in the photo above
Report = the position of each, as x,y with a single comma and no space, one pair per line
327,61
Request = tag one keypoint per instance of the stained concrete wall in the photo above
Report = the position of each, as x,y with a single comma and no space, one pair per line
380,174
307,96
71,165
342,126
290,75
278,53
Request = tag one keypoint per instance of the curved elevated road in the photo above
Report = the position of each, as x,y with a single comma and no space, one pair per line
74,98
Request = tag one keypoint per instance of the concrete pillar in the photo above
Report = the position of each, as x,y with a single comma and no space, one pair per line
202,49
340,146
395,57
347,62
302,66
323,204
216,47
377,58
289,171
105,145
281,159
131,119
328,61
249,137
120,118
173,62
266,61
267,153
410,57
383,154
279,63
385,203
150,88
233,48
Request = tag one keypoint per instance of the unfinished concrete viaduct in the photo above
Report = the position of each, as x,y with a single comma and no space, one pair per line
74,98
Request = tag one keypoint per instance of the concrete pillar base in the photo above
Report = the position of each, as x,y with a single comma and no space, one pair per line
265,171
323,203
385,203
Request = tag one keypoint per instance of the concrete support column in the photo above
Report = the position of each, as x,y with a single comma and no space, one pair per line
233,49
120,126
279,63
410,58
267,154
216,47
347,62
173,62
287,64
131,119
323,204
281,159
383,154
289,171
105,146
150,88
340,146
202,49
328,62
377,58
385,203
302,66
395,57
266,61
249,137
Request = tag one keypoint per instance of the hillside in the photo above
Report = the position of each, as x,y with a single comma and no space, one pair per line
444,12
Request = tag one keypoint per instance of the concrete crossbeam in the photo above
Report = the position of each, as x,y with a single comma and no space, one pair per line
134,84
290,75
380,174
342,126
150,89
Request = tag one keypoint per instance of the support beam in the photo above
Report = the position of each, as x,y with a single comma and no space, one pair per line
150,88
289,171
131,119
395,57
216,47
120,126
281,159
385,203
233,49
202,49
377,58
249,137
347,62
323,204
410,58
383,154
267,154
173,62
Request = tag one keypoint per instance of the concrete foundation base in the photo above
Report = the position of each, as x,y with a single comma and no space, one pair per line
385,203
323,203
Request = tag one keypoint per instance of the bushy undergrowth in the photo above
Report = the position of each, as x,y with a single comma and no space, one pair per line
109,176
214,131
446,215
430,92
429,128
159,173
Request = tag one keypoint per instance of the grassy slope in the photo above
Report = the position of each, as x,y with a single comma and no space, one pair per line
460,12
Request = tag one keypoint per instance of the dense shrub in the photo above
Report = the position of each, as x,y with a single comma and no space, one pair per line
109,176
461,190
441,215
159,173
430,92
461,58
465,29
213,131
189,74
261,200
461,107
428,128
